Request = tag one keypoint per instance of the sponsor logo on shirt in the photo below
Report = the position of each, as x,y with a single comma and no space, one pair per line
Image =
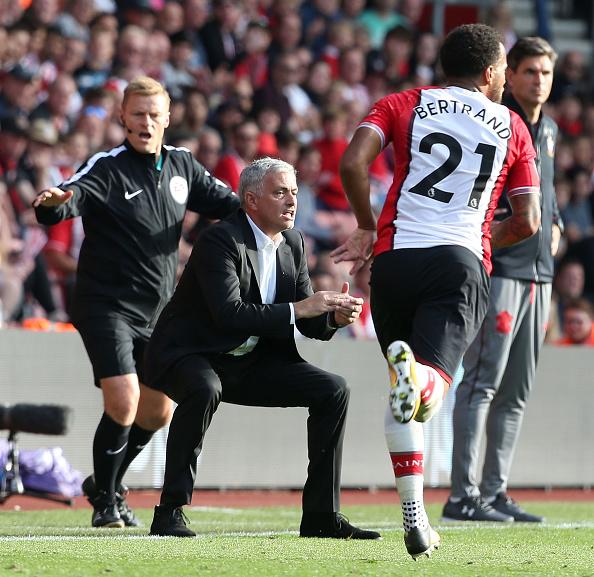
129,195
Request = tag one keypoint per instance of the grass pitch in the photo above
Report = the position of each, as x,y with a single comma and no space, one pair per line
265,543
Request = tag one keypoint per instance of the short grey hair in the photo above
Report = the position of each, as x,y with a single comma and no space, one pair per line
252,176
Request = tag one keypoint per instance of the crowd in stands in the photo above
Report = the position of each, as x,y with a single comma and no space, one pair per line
285,78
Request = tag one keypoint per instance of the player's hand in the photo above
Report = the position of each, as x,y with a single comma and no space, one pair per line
52,197
326,302
347,314
357,249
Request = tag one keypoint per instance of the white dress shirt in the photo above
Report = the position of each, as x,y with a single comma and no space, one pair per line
267,280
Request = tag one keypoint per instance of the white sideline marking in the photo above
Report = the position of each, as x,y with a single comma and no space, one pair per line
231,511
216,510
469,525
122,536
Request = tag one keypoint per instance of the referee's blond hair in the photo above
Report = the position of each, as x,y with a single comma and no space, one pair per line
145,86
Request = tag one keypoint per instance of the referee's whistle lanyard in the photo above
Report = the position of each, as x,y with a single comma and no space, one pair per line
159,168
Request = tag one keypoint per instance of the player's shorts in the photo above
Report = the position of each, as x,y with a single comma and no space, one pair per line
115,346
434,298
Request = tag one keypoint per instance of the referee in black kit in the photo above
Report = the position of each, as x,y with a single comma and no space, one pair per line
132,200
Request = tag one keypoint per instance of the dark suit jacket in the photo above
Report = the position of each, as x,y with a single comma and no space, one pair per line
217,304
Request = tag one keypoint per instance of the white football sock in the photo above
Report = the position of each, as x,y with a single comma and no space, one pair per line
405,443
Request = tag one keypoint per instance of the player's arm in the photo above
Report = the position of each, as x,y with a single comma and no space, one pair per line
354,172
523,222
523,191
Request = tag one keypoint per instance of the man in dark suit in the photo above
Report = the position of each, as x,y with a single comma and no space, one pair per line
218,34
227,335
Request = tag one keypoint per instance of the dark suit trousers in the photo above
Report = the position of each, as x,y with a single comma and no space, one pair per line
267,378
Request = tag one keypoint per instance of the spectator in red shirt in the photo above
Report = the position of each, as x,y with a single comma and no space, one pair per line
244,148
332,145
569,115
252,62
341,35
61,255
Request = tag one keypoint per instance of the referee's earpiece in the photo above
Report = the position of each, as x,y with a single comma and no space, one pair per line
126,126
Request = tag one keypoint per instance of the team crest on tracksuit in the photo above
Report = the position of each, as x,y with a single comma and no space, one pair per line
503,322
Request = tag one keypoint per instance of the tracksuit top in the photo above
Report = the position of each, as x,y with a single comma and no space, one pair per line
132,213
531,259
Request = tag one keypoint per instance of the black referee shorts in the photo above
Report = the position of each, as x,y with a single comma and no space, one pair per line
434,298
115,346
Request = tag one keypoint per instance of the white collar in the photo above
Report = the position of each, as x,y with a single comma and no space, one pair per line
263,240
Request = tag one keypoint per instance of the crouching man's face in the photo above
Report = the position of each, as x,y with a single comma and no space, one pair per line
274,209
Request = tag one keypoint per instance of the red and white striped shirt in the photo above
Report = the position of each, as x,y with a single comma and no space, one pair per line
455,150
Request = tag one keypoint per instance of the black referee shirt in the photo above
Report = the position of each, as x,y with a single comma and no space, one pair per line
132,214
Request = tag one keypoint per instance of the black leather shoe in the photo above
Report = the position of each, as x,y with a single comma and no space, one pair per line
332,525
89,489
105,511
506,505
170,521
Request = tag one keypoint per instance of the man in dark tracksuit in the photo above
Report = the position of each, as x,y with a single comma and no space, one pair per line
500,364
132,200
